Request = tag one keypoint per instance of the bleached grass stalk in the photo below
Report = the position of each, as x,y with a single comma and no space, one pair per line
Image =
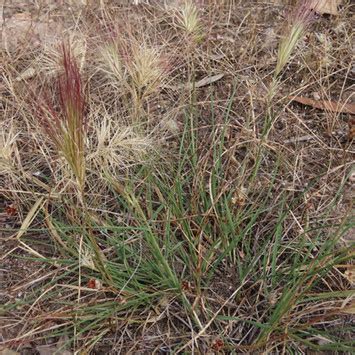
115,146
297,24
50,62
111,64
146,69
135,68
188,18
10,162
8,140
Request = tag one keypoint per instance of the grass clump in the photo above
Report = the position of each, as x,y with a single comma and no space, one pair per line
205,238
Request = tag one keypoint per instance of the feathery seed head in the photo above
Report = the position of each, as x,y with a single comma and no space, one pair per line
67,126
297,22
189,19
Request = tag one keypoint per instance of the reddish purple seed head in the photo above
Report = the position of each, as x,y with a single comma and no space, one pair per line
70,88
304,13
71,110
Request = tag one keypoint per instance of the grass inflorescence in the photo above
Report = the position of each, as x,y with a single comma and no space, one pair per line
67,127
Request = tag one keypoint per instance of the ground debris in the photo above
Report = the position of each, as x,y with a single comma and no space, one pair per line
327,105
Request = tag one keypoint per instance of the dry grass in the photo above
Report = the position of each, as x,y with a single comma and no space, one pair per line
149,208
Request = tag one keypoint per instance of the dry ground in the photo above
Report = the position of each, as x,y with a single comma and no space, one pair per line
188,228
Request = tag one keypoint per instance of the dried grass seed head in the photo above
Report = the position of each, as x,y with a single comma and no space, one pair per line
110,63
297,22
50,61
188,18
115,146
146,68
8,148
